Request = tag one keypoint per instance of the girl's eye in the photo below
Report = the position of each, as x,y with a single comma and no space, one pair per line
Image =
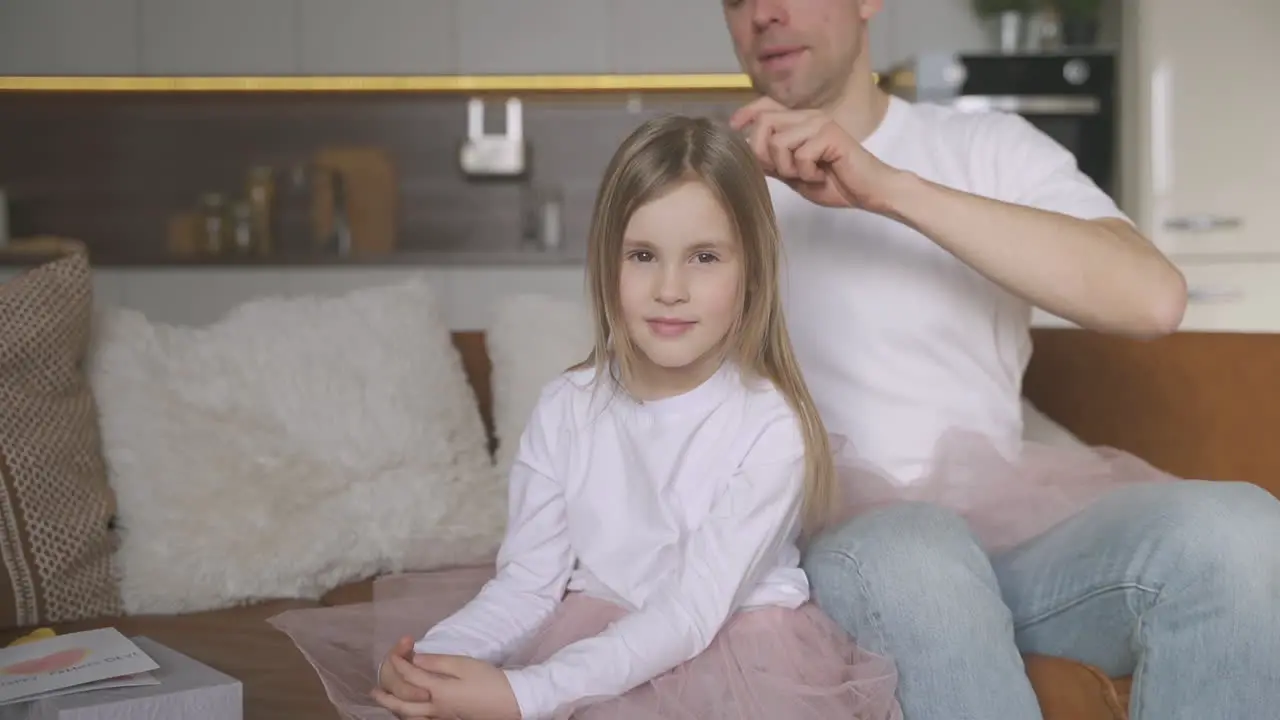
706,257
641,255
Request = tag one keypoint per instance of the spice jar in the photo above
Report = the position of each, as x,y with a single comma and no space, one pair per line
213,223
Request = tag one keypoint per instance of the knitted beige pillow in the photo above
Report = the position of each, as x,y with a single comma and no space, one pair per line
56,507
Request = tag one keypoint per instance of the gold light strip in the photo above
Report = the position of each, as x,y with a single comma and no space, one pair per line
379,83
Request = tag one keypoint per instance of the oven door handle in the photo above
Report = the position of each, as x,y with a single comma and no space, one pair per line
1082,105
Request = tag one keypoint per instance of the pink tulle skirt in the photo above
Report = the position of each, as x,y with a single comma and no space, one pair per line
765,663
1008,496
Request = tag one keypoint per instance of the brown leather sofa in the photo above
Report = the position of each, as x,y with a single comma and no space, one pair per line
1167,400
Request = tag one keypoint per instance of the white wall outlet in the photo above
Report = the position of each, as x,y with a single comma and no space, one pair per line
488,155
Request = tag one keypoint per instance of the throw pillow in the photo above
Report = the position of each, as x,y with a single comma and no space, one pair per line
532,339
292,446
55,503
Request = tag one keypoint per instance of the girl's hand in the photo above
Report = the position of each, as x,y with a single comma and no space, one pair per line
467,689
400,688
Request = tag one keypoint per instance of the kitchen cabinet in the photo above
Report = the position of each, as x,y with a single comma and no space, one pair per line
676,36
377,37
226,37
1221,297
1203,156
1234,296
670,36
417,37
69,37
533,37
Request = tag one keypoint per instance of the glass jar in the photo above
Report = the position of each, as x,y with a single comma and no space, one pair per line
243,235
261,190
213,223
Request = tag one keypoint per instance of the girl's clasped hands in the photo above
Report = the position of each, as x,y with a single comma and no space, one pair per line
443,687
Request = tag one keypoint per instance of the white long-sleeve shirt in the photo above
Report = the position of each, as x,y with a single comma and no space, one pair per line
682,510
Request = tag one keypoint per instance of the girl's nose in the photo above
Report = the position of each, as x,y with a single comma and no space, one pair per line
672,287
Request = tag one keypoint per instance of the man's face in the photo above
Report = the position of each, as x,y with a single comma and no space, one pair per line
799,52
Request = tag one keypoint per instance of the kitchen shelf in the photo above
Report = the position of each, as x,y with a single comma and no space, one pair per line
381,83
426,257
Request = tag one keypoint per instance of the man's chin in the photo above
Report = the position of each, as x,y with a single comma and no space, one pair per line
782,91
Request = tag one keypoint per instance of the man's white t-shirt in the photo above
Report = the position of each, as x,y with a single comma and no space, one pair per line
898,339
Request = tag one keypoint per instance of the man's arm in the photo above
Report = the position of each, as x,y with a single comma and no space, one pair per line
1101,273
1040,228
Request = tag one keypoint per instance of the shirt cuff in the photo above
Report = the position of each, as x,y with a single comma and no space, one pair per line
438,647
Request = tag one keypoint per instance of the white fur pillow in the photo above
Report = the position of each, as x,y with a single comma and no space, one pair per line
290,447
532,339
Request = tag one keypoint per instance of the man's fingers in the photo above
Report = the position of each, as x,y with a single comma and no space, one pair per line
761,134
780,154
774,152
784,146
403,708
809,157
748,113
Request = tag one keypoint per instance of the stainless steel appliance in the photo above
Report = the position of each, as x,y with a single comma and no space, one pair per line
1070,96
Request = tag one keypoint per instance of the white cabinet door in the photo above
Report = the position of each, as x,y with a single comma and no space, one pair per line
1206,115
1221,297
377,37
533,37
226,37
670,36
1232,297
68,37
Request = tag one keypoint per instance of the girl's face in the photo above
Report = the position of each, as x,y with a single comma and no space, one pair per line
680,288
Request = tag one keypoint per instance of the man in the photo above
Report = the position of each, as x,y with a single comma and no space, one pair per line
918,240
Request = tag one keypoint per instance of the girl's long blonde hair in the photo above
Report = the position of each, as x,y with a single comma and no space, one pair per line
656,157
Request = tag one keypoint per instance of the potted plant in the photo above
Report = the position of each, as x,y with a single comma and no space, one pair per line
1080,20
1007,20
990,8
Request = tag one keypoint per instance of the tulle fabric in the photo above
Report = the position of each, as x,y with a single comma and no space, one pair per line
765,663
768,663
1007,495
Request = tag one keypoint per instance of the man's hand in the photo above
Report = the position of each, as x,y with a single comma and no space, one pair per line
466,689
809,151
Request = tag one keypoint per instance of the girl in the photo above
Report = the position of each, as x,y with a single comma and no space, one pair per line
651,565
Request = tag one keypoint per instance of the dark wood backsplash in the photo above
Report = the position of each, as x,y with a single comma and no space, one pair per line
111,169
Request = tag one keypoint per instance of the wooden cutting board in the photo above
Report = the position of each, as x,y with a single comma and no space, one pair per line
372,192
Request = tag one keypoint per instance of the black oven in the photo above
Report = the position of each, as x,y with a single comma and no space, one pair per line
1070,96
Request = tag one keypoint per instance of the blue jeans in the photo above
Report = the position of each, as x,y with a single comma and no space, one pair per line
1177,584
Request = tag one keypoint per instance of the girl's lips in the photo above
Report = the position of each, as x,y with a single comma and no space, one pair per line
666,327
